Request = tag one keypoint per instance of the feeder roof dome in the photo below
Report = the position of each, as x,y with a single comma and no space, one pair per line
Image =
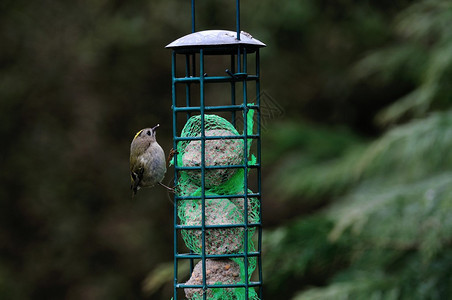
214,41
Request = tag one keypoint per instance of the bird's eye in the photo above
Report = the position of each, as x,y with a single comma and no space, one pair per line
148,132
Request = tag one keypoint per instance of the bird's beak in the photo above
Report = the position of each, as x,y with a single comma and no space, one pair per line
155,127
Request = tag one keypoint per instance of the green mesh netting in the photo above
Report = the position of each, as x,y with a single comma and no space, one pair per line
218,152
217,212
219,272
222,211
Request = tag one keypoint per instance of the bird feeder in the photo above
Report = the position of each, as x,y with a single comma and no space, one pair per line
217,136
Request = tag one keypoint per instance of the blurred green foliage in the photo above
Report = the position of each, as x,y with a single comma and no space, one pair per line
382,225
357,172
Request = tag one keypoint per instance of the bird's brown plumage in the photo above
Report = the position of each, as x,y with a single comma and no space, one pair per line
147,160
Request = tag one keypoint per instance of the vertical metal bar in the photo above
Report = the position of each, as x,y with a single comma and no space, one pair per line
187,85
192,15
187,104
203,171
233,88
259,174
237,9
188,91
193,65
239,61
173,88
245,185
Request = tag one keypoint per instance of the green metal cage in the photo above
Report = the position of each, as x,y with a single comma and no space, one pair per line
191,84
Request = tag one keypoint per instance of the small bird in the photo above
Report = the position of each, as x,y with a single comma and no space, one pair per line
147,160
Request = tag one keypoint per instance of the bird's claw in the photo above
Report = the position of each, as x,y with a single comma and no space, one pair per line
171,190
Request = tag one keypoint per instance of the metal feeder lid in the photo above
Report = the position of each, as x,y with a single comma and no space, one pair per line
215,42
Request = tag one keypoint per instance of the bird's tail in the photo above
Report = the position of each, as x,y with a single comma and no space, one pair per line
134,191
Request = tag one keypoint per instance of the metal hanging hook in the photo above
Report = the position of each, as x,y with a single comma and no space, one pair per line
237,18
192,16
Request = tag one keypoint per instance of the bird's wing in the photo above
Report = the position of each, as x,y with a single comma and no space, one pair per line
136,175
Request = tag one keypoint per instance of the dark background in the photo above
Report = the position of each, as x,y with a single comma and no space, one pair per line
79,78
